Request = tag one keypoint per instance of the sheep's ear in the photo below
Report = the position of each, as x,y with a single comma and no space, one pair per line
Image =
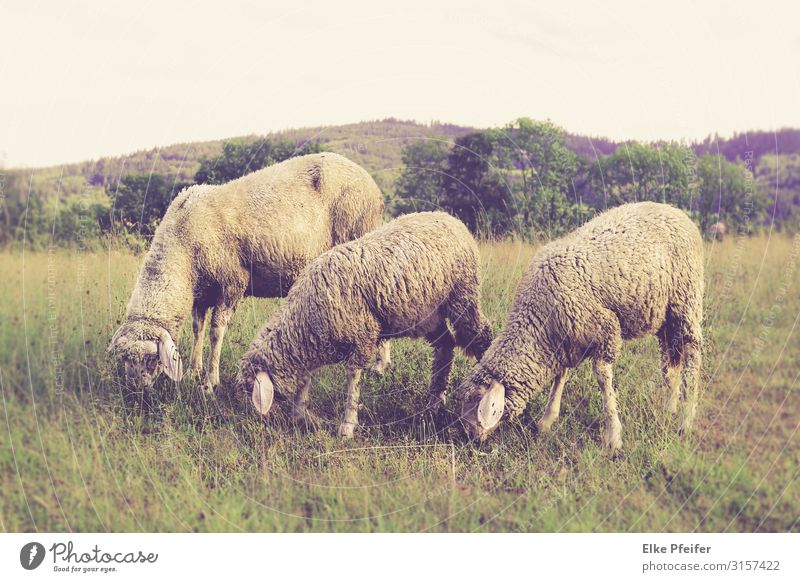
491,406
263,392
170,358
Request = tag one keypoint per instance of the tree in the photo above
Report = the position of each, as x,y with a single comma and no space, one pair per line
727,192
239,158
472,187
518,178
141,200
8,183
79,222
778,177
419,186
540,169
514,179
638,172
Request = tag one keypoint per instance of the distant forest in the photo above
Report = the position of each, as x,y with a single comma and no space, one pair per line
529,179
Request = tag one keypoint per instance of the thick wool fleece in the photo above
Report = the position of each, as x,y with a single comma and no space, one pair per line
632,271
405,279
251,236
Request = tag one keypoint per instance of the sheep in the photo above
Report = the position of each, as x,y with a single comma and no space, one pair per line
251,236
632,271
717,230
406,279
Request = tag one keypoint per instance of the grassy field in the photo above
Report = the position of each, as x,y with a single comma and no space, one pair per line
80,453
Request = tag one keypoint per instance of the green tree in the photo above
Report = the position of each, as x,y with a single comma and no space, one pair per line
239,158
727,192
419,186
473,189
778,178
518,178
79,222
638,172
8,207
540,169
141,200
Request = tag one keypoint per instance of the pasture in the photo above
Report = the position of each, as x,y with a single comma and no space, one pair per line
80,452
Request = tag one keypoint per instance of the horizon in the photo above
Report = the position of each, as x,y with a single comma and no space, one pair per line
159,147
94,79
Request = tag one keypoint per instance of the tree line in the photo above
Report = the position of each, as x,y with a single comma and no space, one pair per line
528,179
524,179
129,210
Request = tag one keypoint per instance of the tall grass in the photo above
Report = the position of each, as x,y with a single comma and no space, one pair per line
80,452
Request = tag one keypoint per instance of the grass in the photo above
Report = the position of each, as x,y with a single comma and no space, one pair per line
80,453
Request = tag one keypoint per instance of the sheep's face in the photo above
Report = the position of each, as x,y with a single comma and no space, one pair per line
482,410
145,359
142,371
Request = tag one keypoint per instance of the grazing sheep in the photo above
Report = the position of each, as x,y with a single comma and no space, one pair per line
717,230
632,271
251,236
405,279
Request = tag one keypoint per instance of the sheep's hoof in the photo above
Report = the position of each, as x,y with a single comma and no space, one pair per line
671,403
687,420
545,425
208,388
346,430
612,438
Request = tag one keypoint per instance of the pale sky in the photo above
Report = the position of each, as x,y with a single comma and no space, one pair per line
79,80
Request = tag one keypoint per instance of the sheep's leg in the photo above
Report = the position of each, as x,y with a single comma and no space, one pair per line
220,317
670,360
473,332
692,354
300,412
350,420
612,434
443,344
301,398
553,408
199,330
383,357
688,315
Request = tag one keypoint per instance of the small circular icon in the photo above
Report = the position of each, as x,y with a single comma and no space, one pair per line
31,555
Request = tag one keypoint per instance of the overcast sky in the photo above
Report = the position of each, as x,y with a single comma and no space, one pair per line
83,79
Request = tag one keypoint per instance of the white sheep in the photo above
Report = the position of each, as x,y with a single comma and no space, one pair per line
406,279
632,271
251,236
717,230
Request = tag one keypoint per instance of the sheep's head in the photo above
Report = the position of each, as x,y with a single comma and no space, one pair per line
256,380
482,408
146,355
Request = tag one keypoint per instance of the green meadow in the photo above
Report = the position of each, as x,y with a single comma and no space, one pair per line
79,451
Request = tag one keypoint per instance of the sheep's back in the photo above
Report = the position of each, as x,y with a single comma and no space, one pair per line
634,260
399,276
275,220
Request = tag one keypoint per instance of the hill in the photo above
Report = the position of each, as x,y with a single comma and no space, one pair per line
71,203
377,145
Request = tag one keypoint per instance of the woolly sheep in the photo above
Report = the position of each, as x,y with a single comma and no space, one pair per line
406,279
251,236
717,230
633,271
